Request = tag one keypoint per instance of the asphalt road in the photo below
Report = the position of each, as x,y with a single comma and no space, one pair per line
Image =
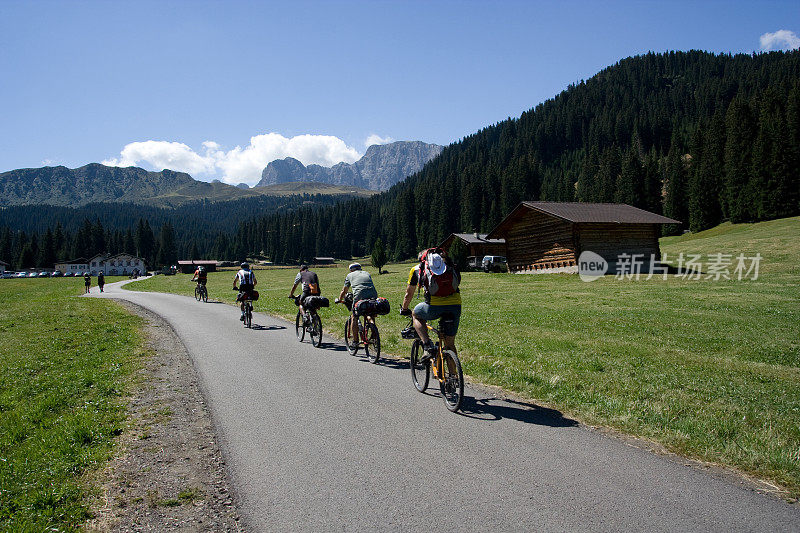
317,440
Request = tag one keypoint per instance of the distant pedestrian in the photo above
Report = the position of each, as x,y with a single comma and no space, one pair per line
101,280
87,280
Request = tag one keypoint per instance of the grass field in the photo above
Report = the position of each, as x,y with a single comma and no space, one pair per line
64,364
710,369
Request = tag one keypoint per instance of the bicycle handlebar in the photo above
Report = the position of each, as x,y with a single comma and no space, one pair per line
405,312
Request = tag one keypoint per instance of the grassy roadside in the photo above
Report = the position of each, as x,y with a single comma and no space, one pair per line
710,369
64,364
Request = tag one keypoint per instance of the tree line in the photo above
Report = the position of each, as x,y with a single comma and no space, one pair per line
201,230
696,136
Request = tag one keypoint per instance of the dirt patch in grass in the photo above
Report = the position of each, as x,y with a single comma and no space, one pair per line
169,473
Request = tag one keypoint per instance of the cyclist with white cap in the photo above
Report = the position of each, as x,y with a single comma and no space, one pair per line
440,279
360,281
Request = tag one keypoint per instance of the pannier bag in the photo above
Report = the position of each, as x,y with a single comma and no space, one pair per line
382,306
316,302
250,295
372,307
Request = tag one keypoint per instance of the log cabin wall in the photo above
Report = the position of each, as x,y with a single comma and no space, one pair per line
481,250
609,240
539,242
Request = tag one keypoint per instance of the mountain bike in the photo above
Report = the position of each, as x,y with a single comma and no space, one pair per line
248,309
200,292
445,364
368,334
309,321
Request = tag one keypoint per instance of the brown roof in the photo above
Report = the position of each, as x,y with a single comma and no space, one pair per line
584,212
473,238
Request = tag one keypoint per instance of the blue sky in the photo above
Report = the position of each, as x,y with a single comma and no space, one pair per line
149,83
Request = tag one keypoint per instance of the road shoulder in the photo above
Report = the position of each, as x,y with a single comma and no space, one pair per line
169,472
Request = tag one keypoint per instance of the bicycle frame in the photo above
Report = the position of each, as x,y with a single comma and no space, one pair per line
451,379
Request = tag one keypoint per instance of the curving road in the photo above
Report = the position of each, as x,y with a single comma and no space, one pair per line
317,440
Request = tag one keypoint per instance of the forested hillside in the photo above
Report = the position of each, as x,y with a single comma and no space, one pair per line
37,236
696,136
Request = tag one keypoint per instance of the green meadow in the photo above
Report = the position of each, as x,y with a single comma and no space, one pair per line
65,364
708,368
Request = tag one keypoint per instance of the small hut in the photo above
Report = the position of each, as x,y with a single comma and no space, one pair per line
550,236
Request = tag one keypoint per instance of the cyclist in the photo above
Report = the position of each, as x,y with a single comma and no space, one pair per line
439,278
200,276
309,285
247,282
363,288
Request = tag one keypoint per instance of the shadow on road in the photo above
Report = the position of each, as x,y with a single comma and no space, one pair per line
497,409
332,346
259,327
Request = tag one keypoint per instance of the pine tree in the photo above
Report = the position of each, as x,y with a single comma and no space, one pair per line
740,131
675,203
378,255
47,251
630,182
59,242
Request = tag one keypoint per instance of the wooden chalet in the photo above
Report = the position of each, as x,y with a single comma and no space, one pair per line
189,266
550,236
476,243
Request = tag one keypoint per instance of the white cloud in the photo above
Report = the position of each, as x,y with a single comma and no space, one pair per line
162,154
377,139
780,40
240,164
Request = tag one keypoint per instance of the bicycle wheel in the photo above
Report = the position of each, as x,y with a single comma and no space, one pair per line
299,327
452,382
348,337
316,331
197,294
420,372
205,294
372,343
248,315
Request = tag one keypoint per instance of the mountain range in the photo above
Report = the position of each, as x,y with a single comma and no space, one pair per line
381,167
96,183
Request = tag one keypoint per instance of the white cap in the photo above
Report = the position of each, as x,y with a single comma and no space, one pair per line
354,266
436,264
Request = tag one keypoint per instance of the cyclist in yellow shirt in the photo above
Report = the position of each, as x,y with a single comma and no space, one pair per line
440,279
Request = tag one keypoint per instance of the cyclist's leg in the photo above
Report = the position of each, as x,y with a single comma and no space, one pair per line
422,313
449,327
354,327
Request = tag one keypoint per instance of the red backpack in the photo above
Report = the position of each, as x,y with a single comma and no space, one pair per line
444,284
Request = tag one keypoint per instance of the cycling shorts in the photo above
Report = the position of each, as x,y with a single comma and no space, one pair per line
427,312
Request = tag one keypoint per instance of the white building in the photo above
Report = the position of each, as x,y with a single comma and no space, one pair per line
76,266
116,265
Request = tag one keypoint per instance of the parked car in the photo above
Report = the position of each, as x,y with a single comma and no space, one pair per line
8,275
21,275
58,274
68,274
44,274
494,263
33,275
